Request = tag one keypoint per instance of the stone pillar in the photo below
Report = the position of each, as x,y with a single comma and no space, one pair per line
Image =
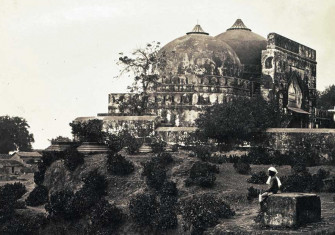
291,209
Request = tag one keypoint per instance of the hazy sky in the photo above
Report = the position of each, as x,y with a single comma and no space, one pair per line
57,57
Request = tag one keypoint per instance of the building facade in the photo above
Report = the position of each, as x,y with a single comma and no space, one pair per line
202,70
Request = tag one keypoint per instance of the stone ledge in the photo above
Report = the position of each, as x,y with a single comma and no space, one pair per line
291,209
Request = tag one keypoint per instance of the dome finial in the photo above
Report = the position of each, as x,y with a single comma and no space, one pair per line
197,30
239,25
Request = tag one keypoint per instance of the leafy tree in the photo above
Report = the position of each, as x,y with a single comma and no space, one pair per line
326,99
14,134
143,65
60,139
88,131
237,121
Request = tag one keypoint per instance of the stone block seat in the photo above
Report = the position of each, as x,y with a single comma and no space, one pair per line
291,209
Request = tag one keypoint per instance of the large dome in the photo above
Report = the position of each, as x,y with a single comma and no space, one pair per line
247,45
199,53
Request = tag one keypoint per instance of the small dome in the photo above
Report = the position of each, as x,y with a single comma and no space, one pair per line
247,45
199,53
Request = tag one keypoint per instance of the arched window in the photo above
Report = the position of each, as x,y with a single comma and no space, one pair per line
268,62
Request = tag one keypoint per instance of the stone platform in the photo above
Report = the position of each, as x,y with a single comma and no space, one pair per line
291,209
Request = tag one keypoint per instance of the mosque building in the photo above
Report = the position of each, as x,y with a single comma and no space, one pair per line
203,70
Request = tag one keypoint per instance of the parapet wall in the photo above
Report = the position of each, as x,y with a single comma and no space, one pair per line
285,139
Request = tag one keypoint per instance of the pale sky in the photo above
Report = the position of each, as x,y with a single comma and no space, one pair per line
58,57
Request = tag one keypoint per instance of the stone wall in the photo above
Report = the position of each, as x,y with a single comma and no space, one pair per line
285,139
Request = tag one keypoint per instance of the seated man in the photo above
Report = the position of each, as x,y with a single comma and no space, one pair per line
274,184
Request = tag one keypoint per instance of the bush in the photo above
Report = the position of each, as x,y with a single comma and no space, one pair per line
169,188
115,143
158,145
119,165
202,174
73,159
96,182
258,178
131,143
60,205
202,169
202,152
12,192
143,210
163,159
105,218
253,193
38,196
204,211
258,156
242,168
167,216
9,194
23,224
156,176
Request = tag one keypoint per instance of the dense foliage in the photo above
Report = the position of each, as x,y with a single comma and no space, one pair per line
158,145
9,194
88,131
73,159
204,211
105,218
242,168
119,165
259,177
38,196
143,210
202,174
326,99
14,134
237,121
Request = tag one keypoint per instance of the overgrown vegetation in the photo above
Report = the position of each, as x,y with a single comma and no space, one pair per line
242,168
259,177
119,165
202,174
38,196
204,211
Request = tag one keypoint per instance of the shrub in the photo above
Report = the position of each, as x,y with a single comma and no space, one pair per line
60,205
202,174
96,182
204,211
253,193
119,165
114,142
242,168
258,156
12,192
38,196
23,224
105,218
83,200
167,216
73,159
258,178
202,152
158,145
163,158
131,143
169,188
143,209
9,194
156,176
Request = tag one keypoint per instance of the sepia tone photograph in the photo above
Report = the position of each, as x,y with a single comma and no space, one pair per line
167,117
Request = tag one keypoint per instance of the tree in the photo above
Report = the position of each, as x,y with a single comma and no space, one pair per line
143,65
14,134
326,98
88,131
60,139
236,121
